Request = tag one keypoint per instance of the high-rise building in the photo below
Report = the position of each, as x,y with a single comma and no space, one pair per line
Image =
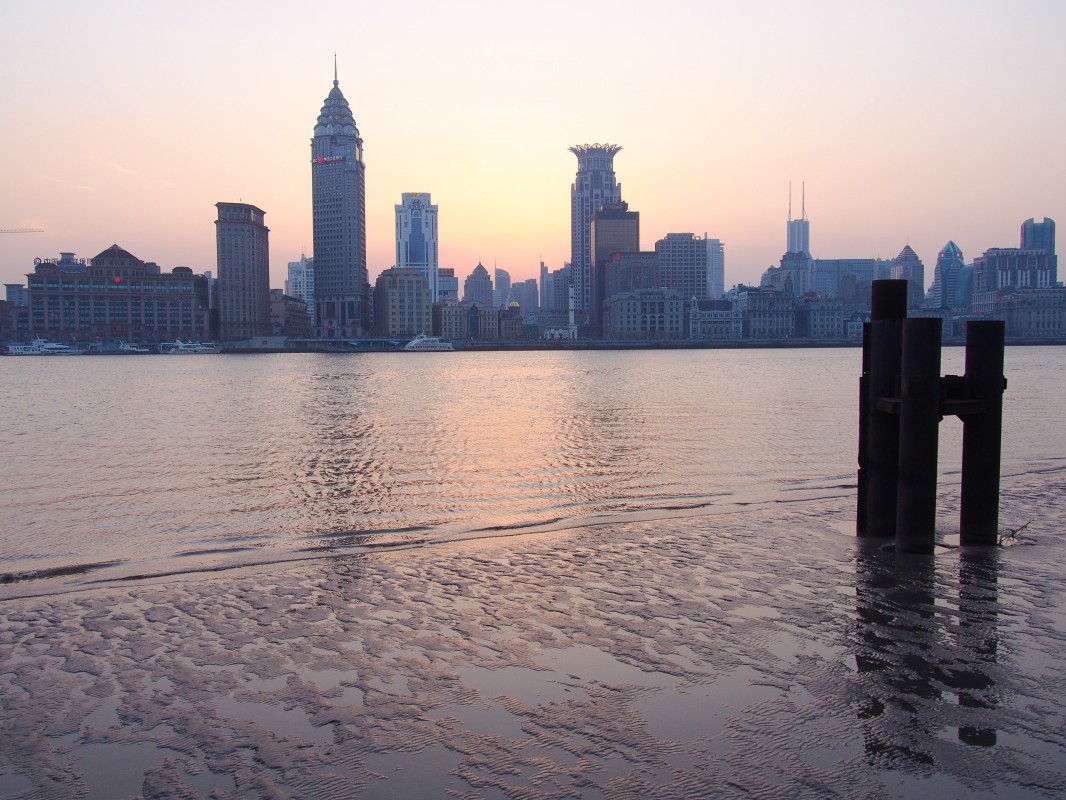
416,238
338,199
1013,268
301,283
799,230
447,284
629,272
501,287
477,288
614,229
243,271
402,303
683,264
1038,235
526,293
594,185
907,266
715,267
949,265
555,289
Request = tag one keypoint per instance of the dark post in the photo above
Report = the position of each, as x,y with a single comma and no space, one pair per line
919,427
864,421
888,308
981,433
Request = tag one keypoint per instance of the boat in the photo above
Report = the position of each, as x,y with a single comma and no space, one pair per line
427,344
116,349
178,347
42,347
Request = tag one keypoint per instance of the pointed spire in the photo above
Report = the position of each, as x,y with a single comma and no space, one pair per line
335,81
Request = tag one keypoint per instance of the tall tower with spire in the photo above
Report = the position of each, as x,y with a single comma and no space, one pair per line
338,202
594,186
799,230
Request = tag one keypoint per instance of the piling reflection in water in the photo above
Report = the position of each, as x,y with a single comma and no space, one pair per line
920,638
979,639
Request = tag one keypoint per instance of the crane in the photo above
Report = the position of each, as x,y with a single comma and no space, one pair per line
21,230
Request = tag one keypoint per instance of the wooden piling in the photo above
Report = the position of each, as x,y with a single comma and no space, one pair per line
919,427
881,467
982,433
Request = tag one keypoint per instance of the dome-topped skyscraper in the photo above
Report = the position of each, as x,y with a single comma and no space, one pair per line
338,201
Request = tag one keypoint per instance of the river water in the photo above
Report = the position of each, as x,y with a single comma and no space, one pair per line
116,465
497,575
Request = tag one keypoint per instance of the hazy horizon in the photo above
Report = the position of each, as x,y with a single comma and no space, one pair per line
909,123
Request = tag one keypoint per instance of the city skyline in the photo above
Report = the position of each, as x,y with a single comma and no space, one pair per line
900,135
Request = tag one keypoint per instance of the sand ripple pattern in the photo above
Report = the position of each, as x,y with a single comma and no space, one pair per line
763,654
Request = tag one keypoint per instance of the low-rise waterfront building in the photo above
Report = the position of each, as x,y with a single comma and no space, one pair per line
289,316
824,318
1032,313
511,322
482,322
714,320
116,296
645,315
767,314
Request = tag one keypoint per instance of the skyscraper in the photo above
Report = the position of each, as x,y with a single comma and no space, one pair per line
416,238
908,266
614,229
594,185
477,288
501,287
949,265
1039,235
243,271
683,265
715,267
799,230
338,198
301,283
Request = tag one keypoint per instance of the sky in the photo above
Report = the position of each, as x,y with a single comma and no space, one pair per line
908,122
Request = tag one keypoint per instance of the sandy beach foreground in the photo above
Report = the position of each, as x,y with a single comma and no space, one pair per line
648,660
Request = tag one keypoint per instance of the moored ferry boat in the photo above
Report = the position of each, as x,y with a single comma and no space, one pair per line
178,347
42,347
116,349
428,344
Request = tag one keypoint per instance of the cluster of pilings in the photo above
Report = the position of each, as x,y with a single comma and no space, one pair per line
902,398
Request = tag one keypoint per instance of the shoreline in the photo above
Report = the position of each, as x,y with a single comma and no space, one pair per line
374,346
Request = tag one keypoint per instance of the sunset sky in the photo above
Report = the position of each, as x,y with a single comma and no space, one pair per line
910,122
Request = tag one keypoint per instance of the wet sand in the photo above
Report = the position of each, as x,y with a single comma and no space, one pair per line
763,653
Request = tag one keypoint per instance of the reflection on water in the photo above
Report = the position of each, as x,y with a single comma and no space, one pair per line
174,466
922,639
144,466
